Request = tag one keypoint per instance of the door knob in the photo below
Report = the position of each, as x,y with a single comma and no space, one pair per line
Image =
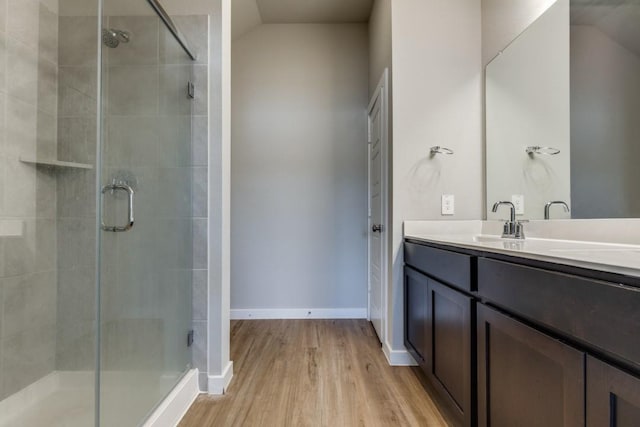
377,228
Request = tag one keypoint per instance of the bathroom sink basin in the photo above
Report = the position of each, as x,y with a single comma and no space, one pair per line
594,250
485,238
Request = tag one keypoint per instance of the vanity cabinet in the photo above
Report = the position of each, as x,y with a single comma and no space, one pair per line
613,396
507,341
440,325
526,378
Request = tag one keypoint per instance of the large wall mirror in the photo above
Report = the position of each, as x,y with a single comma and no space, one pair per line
563,113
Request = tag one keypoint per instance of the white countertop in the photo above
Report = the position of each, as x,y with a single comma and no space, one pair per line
613,257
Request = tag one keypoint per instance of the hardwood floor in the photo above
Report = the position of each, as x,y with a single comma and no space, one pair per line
314,373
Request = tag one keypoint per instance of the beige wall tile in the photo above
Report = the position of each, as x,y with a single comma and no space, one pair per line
47,135
48,34
77,41
20,129
22,71
47,86
22,22
19,197
133,90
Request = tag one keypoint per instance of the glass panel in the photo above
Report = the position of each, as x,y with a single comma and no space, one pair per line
146,269
48,98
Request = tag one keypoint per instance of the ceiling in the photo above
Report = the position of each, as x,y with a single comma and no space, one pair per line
248,14
618,19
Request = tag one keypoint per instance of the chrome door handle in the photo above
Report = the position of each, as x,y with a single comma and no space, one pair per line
130,193
377,228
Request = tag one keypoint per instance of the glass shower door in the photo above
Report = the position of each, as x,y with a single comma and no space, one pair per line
146,237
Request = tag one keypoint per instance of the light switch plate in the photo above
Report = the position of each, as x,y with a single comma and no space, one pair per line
518,202
448,204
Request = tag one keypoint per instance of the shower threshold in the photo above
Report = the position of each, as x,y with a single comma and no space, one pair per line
67,398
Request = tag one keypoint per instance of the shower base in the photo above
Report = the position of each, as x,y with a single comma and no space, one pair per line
66,399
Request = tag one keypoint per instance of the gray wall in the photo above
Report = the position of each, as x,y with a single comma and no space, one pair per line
437,97
299,167
379,42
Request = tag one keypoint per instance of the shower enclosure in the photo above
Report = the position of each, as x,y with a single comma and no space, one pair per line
95,211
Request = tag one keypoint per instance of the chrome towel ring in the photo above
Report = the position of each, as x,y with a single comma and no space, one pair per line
440,150
547,151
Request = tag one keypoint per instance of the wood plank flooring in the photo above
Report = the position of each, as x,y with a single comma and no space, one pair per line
314,373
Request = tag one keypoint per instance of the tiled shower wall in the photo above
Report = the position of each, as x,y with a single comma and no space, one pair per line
28,107
77,103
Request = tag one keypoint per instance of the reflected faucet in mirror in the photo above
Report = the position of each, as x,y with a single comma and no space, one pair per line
547,207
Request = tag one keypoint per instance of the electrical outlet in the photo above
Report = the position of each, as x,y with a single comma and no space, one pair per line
448,204
518,202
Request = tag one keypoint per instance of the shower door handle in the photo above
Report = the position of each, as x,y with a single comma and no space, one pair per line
112,188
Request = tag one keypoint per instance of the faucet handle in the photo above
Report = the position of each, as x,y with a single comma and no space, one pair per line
519,231
506,229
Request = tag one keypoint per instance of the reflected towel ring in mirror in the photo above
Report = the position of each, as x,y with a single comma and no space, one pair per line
440,150
549,151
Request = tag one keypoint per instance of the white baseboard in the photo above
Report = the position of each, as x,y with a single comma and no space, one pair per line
299,313
398,357
218,384
177,403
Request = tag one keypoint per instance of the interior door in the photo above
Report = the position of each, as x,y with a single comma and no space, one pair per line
377,189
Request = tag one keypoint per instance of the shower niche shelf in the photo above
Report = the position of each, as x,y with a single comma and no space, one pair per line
55,163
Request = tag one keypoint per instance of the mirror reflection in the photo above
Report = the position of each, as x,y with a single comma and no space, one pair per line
562,114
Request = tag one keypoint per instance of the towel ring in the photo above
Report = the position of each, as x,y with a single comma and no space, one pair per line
440,150
547,151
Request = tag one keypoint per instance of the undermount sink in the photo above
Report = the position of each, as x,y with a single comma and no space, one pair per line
605,253
591,250
485,238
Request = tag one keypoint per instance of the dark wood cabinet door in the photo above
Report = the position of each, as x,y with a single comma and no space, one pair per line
450,365
416,314
526,378
613,396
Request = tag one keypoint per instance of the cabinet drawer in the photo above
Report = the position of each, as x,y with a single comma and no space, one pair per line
452,268
601,315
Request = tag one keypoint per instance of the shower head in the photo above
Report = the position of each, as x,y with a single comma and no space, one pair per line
112,38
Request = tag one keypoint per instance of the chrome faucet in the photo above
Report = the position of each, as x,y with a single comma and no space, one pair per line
509,226
547,207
